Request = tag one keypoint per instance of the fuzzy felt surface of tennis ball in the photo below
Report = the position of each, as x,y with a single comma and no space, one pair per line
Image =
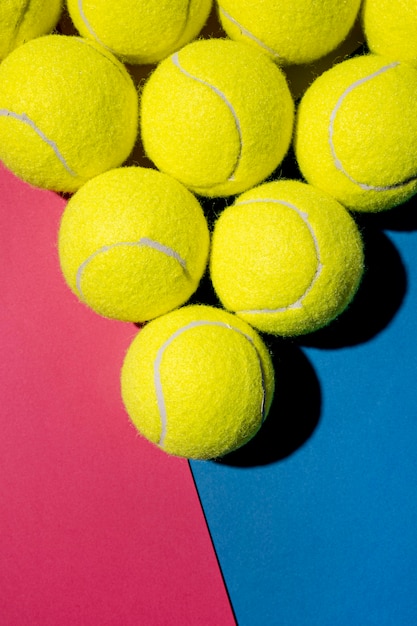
133,244
289,32
197,382
218,116
22,20
286,257
390,28
356,133
68,112
143,31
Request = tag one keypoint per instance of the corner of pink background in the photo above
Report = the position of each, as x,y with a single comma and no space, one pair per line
96,525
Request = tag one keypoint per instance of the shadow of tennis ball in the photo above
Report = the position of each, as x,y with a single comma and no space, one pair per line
294,414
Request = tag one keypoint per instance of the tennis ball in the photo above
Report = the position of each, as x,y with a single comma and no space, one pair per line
133,243
198,382
140,31
286,257
391,28
356,133
22,20
68,111
218,116
289,32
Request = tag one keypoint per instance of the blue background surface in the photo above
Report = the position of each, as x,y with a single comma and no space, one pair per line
315,520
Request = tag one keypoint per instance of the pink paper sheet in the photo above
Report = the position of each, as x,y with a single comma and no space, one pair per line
97,527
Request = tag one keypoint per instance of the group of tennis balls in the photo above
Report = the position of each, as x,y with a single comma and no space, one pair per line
216,117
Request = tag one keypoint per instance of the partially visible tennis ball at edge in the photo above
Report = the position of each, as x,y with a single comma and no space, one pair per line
68,112
356,133
391,28
289,32
140,31
23,20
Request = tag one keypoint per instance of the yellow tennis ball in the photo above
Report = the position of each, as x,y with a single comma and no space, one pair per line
289,32
68,111
218,116
22,20
356,133
391,28
198,382
133,244
140,31
286,257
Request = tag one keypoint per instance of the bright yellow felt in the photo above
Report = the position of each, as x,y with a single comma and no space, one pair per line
143,31
218,116
289,32
22,20
198,382
391,28
286,257
133,244
356,133
68,112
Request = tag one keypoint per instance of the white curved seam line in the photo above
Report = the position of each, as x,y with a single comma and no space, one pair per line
90,28
304,216
221,95
22,117
157,370
144,241
96,38
333,115
250,35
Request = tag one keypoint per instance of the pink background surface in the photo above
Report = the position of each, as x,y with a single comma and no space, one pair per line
96,525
